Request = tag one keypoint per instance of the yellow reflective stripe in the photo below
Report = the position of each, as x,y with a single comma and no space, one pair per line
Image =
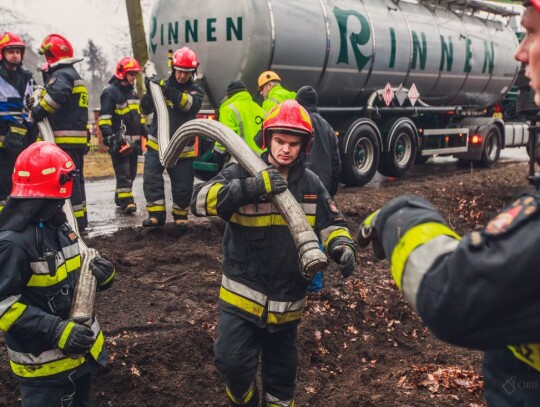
79,89
528,353
264,220
248,396
79,213
241,302
411,240
48,108
267,182
339,232
183,100
211,199
70,140
188,154
47,369
369,220
274,318
181,212
111,277
45,280
143,120
11,315
105,122
152,144
125,195
65,334
156,208
97,347
18,130
122,112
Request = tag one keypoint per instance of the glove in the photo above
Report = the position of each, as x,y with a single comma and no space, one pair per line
154,79
267,181
14,141
347,260
29,102
72,338
172,94
103,270
38,113
368,234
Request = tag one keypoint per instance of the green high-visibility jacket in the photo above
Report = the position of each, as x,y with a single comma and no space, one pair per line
277,95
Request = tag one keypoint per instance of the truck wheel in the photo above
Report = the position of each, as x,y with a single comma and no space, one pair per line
361,158
492,147
402,152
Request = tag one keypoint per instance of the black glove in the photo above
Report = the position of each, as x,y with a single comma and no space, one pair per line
29,102
154,79
14,141
38,113
103,270
368,234
72,338
172,93
346,257
267,181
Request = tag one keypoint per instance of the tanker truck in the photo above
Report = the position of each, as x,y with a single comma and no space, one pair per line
399,80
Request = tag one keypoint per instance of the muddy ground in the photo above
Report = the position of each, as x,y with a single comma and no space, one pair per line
360,344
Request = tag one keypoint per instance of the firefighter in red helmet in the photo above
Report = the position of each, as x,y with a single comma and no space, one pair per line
183,98
263,290
16,86
122,126
50,356
64,101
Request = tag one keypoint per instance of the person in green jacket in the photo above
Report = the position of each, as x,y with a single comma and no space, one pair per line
271,90
242,115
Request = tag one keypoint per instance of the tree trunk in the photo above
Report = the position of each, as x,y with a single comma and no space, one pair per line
138,37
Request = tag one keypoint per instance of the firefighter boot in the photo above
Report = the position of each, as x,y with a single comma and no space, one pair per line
130,208
153,221
181,222
251,399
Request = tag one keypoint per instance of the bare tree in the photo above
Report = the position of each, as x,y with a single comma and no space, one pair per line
97,67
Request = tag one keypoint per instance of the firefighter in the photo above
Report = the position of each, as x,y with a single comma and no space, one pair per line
242,115
263,290
64,101
16,86
479,291
323,158
272,91
183,98
51,357
122,126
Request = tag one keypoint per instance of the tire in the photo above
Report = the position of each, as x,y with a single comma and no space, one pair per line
402,151
361,159
492,147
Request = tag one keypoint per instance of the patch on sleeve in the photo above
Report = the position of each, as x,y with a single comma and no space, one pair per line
332,205
310,198
520,210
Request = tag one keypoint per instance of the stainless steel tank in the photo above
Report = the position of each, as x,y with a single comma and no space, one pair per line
344,48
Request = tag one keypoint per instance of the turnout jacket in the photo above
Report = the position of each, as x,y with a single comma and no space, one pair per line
262,281
277,95
120,105
479,291
34,296
183,103
65,102
15,86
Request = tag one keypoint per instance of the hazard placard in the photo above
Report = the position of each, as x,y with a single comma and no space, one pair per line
413,94
388,94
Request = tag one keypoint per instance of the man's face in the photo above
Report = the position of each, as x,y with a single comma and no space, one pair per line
263,91
284,148
12,56
182,76
130,77
529,50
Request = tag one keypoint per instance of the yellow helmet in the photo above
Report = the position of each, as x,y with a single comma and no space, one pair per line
267,76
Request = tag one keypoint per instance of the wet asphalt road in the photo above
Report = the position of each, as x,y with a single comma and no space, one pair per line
105,218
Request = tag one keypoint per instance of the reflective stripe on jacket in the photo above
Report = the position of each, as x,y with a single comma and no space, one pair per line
277,95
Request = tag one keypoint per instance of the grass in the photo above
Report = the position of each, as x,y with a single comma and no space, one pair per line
98,164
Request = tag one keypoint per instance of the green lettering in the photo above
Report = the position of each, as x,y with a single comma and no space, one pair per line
193,30
237,29
153,30
468,55
211,30
356,39
489,57
419,51
173,33
447,54
161,33
392,48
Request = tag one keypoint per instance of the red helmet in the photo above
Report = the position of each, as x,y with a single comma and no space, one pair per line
43,170
185,60
290,118
125,65
10,40
57,50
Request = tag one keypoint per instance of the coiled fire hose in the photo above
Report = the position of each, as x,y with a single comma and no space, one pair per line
161,110
312,259
82,307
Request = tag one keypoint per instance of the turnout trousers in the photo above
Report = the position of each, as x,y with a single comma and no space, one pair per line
237,348
76,393
78,195
125,171
181,176
7,162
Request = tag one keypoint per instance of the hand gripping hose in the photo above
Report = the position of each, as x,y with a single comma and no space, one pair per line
161,110
82,308
312,259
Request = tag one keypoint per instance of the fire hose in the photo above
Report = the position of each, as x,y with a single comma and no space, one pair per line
312,259
82,308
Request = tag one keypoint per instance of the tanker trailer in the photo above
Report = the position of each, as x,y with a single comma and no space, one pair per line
399,80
